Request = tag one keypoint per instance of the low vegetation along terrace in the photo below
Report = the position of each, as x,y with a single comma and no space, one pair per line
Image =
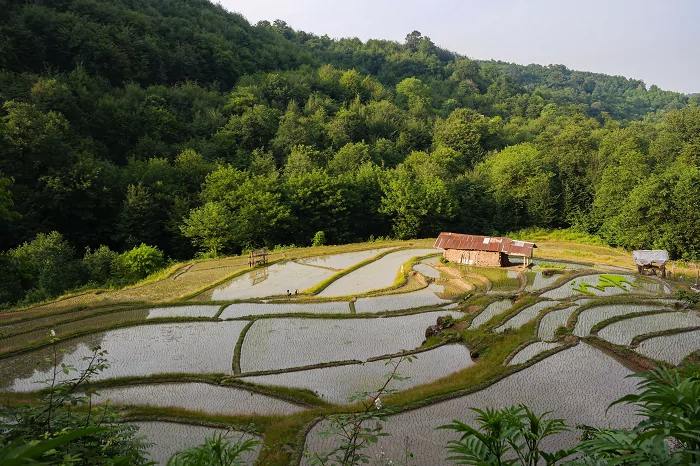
277,353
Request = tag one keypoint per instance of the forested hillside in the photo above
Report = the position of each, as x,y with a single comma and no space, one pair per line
178,125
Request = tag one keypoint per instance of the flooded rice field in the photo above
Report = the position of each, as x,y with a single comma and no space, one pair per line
585,285
526,315
537,281
274,280
426,270
491,311
337,384
344,260
183,311
258,309
196,396
191,347
594,315
374,276
567,383
551,321
291,342
169,438
396,302
671,348
532,350
622,332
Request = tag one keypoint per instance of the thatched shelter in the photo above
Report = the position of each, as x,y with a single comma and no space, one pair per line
651,260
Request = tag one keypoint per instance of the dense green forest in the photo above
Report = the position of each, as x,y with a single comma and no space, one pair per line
178,125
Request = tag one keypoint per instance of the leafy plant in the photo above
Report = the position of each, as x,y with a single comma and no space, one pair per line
515,431
137,263
670,405
66,407
218,450
319,239
690,297
359,430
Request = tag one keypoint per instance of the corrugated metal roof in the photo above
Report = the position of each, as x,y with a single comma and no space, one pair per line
484,243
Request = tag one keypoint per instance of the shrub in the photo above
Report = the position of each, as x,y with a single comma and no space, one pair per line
443,260
50,265
137,263
692,298
319,239
97,264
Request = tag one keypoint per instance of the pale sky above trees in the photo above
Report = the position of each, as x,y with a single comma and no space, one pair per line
657,41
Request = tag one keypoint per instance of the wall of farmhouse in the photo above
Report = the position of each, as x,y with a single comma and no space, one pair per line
486,258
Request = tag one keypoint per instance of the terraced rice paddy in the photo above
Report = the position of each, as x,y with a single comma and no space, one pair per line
169,438
537,281
70,327
532,350
426,270
337,384
567,383
192,347
551,321
259,309
344,260
491,311
670,348
622,332
525,315
594,315
569,289
195,396
270,281
18,326
290,342
549,263
183,311
374,276
395,302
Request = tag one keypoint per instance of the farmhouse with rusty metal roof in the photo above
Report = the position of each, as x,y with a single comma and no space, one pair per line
492,251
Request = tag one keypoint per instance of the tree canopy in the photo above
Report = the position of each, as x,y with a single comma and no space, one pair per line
180,126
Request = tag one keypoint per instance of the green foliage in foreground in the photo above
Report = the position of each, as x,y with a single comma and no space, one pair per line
61,416
668,402
218,450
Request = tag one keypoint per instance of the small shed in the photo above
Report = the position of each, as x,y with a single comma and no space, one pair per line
650,260
492,251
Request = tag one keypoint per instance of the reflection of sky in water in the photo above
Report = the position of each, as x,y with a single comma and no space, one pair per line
376,275
567,383
337,384
593,315
273,280
396,302
193,347
344,260
671,348
169,438
292,342
642,286
532,350
622,332
194,396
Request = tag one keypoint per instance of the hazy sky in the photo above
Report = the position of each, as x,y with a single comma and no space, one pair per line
657,41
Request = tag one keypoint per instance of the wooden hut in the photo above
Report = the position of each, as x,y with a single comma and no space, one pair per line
491,251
